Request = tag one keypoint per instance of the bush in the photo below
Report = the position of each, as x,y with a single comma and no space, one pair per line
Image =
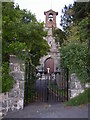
74,56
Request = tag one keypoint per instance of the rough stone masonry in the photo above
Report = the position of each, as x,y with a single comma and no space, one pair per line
14,99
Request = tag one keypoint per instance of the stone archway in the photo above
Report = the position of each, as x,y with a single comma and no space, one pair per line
49,63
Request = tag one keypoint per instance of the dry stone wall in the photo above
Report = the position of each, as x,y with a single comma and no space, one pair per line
14,100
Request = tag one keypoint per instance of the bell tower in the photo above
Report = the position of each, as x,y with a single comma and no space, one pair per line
50,63
50,20
52,60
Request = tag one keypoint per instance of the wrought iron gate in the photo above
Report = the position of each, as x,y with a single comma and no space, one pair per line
42,86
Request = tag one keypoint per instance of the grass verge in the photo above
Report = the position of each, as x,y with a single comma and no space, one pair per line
82,98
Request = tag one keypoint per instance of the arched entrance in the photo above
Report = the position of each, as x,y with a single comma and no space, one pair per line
49,65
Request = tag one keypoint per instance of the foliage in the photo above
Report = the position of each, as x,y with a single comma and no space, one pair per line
6,79
16,48
74,13
81,10
82,98
74,56
84,29
22,34
75,50
21,26
59,36
66,17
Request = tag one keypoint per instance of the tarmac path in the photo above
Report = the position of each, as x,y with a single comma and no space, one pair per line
46,110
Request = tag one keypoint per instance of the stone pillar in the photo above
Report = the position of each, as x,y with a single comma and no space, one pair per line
75,87
14,100
16,95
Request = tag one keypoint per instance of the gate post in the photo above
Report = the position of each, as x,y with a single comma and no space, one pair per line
26,82
67,82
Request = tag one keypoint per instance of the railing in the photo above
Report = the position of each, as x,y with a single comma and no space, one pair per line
43,86
29,92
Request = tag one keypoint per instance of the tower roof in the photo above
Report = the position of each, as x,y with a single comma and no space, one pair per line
50,11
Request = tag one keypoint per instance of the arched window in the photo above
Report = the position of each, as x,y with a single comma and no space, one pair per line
50,17
50,41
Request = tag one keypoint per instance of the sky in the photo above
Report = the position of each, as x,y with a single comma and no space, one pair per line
38,7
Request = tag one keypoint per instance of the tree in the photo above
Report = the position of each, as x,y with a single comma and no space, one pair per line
67,17
81,10
21,28
21,31
74,56
59,36
75,52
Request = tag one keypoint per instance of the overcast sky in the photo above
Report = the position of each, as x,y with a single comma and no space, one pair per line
38,7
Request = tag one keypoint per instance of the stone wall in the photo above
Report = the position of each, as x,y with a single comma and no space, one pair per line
14,100
75,87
